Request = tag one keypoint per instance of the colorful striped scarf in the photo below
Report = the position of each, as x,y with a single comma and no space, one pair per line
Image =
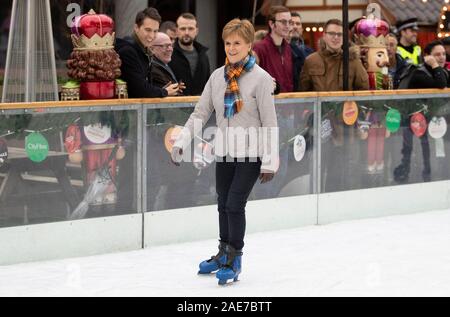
233,100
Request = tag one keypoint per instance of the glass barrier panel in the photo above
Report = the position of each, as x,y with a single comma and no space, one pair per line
193,183
67,166
391,142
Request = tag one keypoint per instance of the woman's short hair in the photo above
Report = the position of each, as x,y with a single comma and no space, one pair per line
243,28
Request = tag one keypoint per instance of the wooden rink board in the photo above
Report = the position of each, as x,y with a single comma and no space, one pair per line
112,102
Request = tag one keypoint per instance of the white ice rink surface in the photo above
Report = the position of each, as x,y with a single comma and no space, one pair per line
393,256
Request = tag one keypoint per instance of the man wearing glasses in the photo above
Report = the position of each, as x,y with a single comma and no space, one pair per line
137,59
273,52
162,74
323,69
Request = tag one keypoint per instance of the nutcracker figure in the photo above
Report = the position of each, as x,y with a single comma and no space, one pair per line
370,35
95,67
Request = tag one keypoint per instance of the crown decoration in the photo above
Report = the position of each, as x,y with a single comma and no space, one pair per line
93,31
372,31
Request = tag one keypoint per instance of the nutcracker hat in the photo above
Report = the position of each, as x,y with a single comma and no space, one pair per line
372,31
92,31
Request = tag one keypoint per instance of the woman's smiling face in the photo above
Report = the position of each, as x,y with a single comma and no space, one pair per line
236,48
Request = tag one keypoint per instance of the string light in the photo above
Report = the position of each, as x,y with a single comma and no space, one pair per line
314,29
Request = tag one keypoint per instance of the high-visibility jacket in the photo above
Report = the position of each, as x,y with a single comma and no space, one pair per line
414,57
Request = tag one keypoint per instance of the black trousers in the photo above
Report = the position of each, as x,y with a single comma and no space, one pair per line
408,148
234,182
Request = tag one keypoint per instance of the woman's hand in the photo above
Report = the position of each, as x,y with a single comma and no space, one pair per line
176,155
266,176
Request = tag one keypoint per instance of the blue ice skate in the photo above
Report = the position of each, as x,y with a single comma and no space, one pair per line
232,268
216,262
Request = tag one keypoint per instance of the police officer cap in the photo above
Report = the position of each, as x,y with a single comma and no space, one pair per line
407,24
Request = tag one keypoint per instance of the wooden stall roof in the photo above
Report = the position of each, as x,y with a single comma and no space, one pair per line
112,102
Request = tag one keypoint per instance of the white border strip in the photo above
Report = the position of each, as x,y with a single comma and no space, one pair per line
200,223
70,239
383,201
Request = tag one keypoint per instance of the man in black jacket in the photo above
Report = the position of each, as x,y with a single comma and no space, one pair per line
162,74
431,74
137,59
189,60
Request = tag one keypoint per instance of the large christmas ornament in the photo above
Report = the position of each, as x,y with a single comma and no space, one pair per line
36,147
93,62
94,68
3,151
299,147
171,136
393,119
418,124
350,112
437,127
370,35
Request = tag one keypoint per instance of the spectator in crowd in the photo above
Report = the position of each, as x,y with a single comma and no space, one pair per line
397,65
299,50
240,93
273,53
137,59
430,75
259,35
190,63
162,75
407,44
170,28
322,70
446,42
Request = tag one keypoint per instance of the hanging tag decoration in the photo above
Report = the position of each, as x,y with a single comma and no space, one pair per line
36,147
96,133
350,112
325,130
393,119
171,136
299,147
3,151
437,127
418,124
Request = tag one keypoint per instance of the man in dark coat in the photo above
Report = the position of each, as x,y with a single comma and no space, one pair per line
137,60
190,63
162,74
431,74
299,50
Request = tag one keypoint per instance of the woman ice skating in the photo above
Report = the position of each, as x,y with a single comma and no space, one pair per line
246,142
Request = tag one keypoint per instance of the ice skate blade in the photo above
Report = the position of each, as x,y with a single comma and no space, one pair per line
206,273
225,282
